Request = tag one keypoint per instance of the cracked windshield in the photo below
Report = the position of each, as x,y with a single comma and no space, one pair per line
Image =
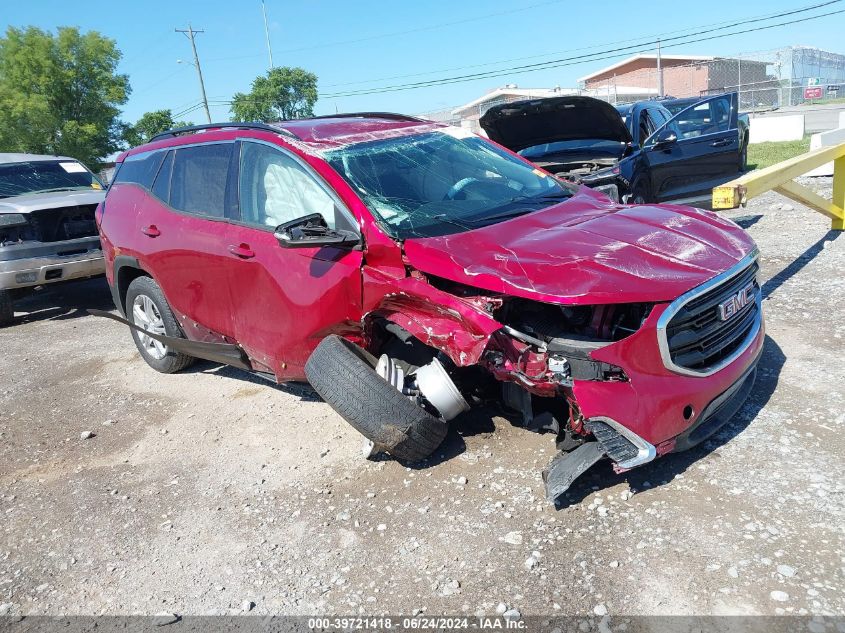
443,182
44,176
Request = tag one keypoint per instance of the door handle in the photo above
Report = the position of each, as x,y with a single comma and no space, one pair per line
151,231
724,142
241,250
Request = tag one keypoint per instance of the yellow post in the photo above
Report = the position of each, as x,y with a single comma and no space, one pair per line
780,177
838,224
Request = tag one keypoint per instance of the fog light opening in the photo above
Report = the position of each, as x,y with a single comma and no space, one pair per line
688,412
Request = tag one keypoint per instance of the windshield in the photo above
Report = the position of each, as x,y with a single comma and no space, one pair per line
442,182
17,179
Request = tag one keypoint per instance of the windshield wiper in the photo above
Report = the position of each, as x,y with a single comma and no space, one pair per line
552,195
442,217
521,209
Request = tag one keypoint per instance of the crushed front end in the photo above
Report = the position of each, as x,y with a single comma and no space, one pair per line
629,381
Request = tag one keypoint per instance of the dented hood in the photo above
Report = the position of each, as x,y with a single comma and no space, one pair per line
528,123
588,251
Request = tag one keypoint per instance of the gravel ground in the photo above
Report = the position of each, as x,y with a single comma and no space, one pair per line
211,492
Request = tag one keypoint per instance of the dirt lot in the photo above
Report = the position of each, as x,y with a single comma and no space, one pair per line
212,492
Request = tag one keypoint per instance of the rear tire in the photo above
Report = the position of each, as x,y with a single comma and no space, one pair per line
7,311
639,193
147,308
344,376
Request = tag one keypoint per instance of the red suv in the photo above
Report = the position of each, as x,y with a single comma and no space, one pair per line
410,270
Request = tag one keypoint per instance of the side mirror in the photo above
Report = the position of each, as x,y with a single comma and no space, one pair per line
665,138
312,230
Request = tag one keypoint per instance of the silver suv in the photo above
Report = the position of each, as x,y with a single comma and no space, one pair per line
48,232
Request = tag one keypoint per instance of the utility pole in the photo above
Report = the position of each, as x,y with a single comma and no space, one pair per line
267,34
659,72
190,33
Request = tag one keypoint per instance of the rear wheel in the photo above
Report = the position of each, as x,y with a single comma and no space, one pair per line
7,312
639,193
344,375
147,308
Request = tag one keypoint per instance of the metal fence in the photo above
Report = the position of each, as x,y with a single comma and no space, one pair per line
764,79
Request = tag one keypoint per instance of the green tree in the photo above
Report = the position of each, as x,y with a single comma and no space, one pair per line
59,94
283,94
150,124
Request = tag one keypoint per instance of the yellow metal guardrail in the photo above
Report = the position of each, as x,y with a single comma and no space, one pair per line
780,177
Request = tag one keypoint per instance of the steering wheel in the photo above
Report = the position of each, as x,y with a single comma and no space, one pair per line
459,186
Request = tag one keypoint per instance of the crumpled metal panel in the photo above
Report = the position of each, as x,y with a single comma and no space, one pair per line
588,250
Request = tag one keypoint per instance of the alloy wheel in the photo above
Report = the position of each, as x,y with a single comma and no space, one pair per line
146,315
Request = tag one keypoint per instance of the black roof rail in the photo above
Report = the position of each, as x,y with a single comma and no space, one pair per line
179,131
369,115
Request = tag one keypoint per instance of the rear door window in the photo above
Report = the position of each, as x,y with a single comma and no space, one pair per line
199,179
139,169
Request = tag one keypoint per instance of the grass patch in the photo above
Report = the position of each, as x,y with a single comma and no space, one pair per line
762,155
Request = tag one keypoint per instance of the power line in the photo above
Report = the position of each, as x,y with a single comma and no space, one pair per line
381,36
601,55
644,39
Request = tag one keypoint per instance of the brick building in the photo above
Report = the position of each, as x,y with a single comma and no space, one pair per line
683,75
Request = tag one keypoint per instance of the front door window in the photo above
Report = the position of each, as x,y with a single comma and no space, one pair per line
274,189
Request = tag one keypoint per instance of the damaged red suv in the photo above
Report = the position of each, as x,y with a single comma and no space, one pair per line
410,270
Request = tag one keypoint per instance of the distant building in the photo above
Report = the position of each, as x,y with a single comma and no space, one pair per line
763,79
683,75
469,113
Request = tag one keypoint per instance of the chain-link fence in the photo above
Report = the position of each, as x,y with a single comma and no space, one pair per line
766,79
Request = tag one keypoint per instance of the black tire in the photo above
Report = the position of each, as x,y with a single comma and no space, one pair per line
7,311
639,193
743,157
172,361
344,375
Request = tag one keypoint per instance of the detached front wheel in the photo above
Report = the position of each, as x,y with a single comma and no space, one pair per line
345,377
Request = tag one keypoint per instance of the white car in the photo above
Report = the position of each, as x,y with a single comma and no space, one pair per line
48,232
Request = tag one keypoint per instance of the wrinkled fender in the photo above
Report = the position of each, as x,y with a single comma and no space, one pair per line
455,326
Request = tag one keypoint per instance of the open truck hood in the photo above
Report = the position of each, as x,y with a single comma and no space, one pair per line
528,123
588,251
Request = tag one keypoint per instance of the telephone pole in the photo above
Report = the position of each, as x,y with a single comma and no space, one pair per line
267,34
659,72
190,33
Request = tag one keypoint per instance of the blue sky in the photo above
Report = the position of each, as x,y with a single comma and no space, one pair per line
365,40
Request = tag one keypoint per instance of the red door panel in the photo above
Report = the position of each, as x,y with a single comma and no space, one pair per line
189,258
284,300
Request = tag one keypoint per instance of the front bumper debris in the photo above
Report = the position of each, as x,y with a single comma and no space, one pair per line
567,467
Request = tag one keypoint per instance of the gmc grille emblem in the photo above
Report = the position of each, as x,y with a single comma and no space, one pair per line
737,302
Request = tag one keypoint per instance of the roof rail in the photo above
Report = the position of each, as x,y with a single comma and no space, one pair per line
179,131
369,115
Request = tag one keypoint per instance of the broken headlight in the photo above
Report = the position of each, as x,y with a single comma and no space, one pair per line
14,228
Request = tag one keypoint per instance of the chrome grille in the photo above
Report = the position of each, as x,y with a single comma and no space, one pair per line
694,339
